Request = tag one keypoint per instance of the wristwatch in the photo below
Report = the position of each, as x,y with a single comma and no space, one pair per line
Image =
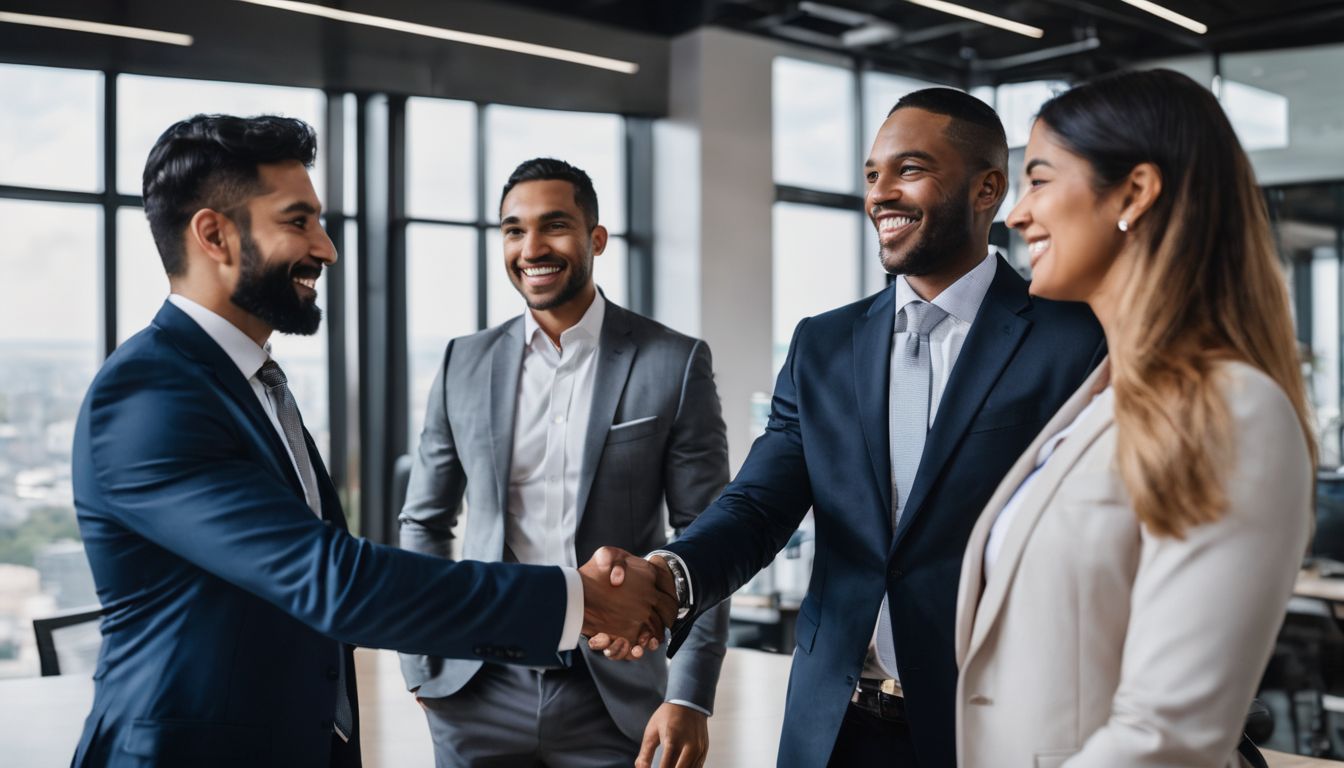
679,581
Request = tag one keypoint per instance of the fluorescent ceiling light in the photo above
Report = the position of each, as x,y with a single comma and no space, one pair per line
442,33
1169,15
116,30
982,17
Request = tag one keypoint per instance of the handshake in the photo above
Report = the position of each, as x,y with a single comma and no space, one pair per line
628,602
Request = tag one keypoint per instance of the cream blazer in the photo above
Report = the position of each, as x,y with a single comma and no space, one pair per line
1096,643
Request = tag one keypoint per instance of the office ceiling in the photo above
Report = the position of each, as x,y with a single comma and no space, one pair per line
1082,38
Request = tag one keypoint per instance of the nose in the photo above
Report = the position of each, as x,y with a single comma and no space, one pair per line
322,248
534,246
883,191
1019,217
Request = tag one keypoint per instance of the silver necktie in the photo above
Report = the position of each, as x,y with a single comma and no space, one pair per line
908,410
287,411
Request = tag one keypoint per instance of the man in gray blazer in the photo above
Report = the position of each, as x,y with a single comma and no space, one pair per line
566,428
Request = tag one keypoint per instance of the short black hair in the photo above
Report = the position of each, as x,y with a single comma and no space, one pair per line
210,161
551,169
975,127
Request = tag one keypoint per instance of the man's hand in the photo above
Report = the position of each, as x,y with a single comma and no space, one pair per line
618,648
684,734
627,599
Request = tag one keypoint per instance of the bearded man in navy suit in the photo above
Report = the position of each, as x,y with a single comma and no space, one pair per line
232,592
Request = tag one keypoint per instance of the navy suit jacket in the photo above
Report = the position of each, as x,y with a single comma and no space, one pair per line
227,604
825,447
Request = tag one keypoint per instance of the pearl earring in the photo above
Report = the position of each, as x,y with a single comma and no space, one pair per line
1123,225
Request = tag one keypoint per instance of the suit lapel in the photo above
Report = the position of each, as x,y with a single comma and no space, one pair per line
871,342
1066,455
616,353
994,337
196,344
506,365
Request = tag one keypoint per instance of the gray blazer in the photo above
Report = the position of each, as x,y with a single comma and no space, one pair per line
655,434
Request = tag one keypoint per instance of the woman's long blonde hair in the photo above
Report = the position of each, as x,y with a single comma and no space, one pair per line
1206,287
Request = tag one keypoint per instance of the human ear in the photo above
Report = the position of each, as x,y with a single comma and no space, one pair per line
1141,190
599,238
209,230
990,190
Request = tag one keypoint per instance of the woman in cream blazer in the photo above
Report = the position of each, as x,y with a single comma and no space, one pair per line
1121,593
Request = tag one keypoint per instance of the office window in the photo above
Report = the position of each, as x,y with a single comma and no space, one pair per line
814,115
142,285
1018,103
52,128
148,105
1286,108
441,181
881,91
48,354
441,286
594,142
814,265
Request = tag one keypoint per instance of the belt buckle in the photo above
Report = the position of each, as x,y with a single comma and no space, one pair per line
889,687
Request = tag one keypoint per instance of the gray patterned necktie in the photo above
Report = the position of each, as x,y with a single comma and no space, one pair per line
908,413
287,411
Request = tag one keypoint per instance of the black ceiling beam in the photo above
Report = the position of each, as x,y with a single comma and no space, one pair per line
1276,24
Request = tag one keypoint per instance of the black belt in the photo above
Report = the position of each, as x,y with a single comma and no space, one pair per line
871,699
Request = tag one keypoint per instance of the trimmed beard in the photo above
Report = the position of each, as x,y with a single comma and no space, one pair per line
269,293
949,229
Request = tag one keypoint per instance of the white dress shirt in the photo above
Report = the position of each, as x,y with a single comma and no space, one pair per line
550,428
961,300
1004,521
249,357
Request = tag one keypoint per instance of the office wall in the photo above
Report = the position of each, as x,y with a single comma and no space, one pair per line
713,192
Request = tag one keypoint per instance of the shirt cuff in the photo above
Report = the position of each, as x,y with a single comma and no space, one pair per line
690,583
689,705
569,635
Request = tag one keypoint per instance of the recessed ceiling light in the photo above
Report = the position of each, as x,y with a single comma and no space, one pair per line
1169,15
982,17
443,33
97,28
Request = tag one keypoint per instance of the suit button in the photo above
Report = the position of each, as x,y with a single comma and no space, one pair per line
849,680
980,699
332,674
478,650
895,573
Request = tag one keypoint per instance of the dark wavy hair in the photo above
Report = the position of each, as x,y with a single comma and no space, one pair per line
210,161
1207,286
550,169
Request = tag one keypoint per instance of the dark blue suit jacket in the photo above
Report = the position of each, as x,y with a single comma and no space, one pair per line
228,604
826,448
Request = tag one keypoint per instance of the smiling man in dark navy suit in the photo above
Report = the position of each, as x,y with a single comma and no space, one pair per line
232,592
894,418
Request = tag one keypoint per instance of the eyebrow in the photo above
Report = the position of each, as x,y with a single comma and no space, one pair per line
556,215
300,206
913,154
1035,162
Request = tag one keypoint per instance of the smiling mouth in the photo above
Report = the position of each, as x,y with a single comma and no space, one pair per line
892,226
542,271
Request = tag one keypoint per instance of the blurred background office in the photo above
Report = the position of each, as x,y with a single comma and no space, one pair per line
726,141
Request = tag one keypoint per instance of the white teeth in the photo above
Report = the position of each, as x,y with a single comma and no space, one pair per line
539,271
1037,247
307,282
894,222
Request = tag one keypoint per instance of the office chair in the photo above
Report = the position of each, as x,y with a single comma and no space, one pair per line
1308,659
78,648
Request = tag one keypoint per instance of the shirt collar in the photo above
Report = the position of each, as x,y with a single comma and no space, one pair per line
589,326
961,299
240,348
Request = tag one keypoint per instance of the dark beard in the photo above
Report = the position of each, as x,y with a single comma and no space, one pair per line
947,234
579,275
269,293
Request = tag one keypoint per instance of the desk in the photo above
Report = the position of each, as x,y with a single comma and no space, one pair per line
1311,584
41,717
